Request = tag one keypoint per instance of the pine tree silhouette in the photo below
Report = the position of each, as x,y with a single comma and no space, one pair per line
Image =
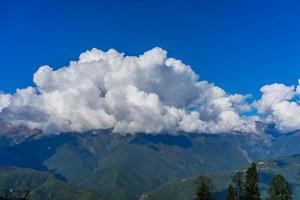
252,184
279,189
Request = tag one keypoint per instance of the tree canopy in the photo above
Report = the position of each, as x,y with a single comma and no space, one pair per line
279,189
252,184
230,193
204,188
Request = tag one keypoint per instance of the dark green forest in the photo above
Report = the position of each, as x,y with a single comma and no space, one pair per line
245,186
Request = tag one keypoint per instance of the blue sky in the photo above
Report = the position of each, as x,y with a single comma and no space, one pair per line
238,45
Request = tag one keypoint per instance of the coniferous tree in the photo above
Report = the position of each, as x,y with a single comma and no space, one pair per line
279,189
252,184
204,188
230,193
238,181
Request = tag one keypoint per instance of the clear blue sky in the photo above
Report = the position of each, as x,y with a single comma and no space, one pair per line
238,45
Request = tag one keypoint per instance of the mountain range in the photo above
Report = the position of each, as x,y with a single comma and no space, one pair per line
126,167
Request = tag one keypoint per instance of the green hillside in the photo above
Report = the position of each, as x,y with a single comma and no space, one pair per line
123,167
43,186
184,189
286,166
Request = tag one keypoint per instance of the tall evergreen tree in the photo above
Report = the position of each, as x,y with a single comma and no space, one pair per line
279,189
252,184
204,189
238,181
230,193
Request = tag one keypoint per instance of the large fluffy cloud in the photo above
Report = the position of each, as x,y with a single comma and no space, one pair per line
4,101
280,104
149,93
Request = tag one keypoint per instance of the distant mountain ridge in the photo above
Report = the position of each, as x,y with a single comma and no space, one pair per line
126,166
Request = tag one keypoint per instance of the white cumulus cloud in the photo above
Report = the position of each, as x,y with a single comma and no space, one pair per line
279,103
149,93
4,100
